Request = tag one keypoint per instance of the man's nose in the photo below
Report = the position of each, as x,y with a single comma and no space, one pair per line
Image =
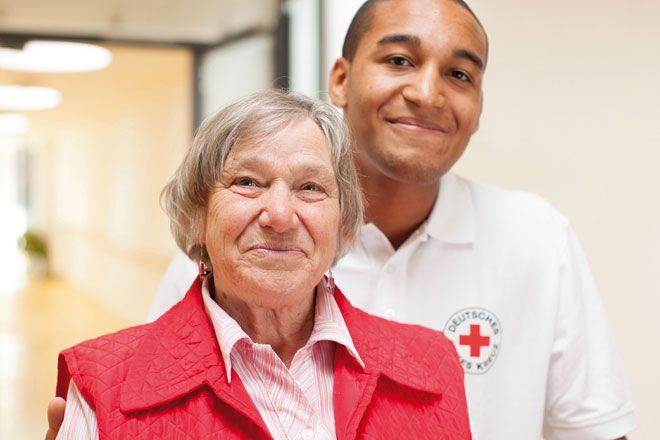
426,89
278,212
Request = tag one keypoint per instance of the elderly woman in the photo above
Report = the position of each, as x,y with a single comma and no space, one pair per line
263,345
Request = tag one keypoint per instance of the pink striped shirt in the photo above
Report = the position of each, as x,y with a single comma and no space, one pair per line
295,403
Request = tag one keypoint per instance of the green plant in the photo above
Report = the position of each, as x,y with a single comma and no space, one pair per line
33,244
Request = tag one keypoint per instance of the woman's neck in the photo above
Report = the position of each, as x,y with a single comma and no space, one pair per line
286,329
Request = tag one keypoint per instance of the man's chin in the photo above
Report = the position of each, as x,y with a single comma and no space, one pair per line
411,165
414,172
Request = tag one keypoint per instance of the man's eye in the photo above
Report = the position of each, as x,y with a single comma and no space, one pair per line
399,61
245,181
462,76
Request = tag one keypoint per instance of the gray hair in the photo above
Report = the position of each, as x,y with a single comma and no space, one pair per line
251,120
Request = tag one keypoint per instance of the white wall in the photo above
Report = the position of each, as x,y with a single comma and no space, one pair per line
234,70
572,98
338,15
304,49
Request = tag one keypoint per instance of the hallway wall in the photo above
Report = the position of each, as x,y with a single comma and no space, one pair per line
101,160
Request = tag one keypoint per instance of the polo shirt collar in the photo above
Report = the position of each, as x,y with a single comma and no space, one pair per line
452,217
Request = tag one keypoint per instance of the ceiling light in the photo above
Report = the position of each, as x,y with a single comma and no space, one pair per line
55,57
13,123
28,98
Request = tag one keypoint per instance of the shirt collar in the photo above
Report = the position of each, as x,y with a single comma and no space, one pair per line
178,353
452,217
329,325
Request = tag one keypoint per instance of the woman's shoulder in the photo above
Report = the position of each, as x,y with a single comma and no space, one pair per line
121,345
104,357
99,356
115,345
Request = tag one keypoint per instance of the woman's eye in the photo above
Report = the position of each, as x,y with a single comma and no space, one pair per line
245,181
311,187
399,61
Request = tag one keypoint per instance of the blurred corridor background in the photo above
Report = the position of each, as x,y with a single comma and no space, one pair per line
571,112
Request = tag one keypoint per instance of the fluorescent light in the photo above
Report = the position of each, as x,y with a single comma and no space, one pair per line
55,57
13,123
28,98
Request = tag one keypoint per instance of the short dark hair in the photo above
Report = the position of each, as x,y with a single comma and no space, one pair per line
360,25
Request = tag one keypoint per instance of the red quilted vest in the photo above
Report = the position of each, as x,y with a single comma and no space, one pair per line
166,380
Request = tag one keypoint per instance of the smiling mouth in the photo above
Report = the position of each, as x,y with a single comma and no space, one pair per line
415,125
277,249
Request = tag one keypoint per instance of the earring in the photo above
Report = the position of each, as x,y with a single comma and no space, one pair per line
203,270
330,282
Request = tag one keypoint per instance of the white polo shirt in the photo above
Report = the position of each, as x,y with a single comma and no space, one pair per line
502,274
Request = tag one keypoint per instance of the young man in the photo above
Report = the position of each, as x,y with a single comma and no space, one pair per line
500,272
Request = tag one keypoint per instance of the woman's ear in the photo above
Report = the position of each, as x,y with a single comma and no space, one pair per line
200,231
338,82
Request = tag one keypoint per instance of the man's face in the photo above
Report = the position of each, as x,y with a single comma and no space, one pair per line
412,94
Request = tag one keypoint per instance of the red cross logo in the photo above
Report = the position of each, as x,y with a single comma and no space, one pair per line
475,340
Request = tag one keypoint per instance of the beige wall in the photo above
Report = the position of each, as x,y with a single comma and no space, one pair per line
101,161
572,112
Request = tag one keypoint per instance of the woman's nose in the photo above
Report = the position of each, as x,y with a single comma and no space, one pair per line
278,212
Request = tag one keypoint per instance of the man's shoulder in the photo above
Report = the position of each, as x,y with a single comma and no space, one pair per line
492,197
512,210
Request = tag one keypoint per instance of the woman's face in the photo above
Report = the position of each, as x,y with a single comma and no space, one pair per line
272,222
